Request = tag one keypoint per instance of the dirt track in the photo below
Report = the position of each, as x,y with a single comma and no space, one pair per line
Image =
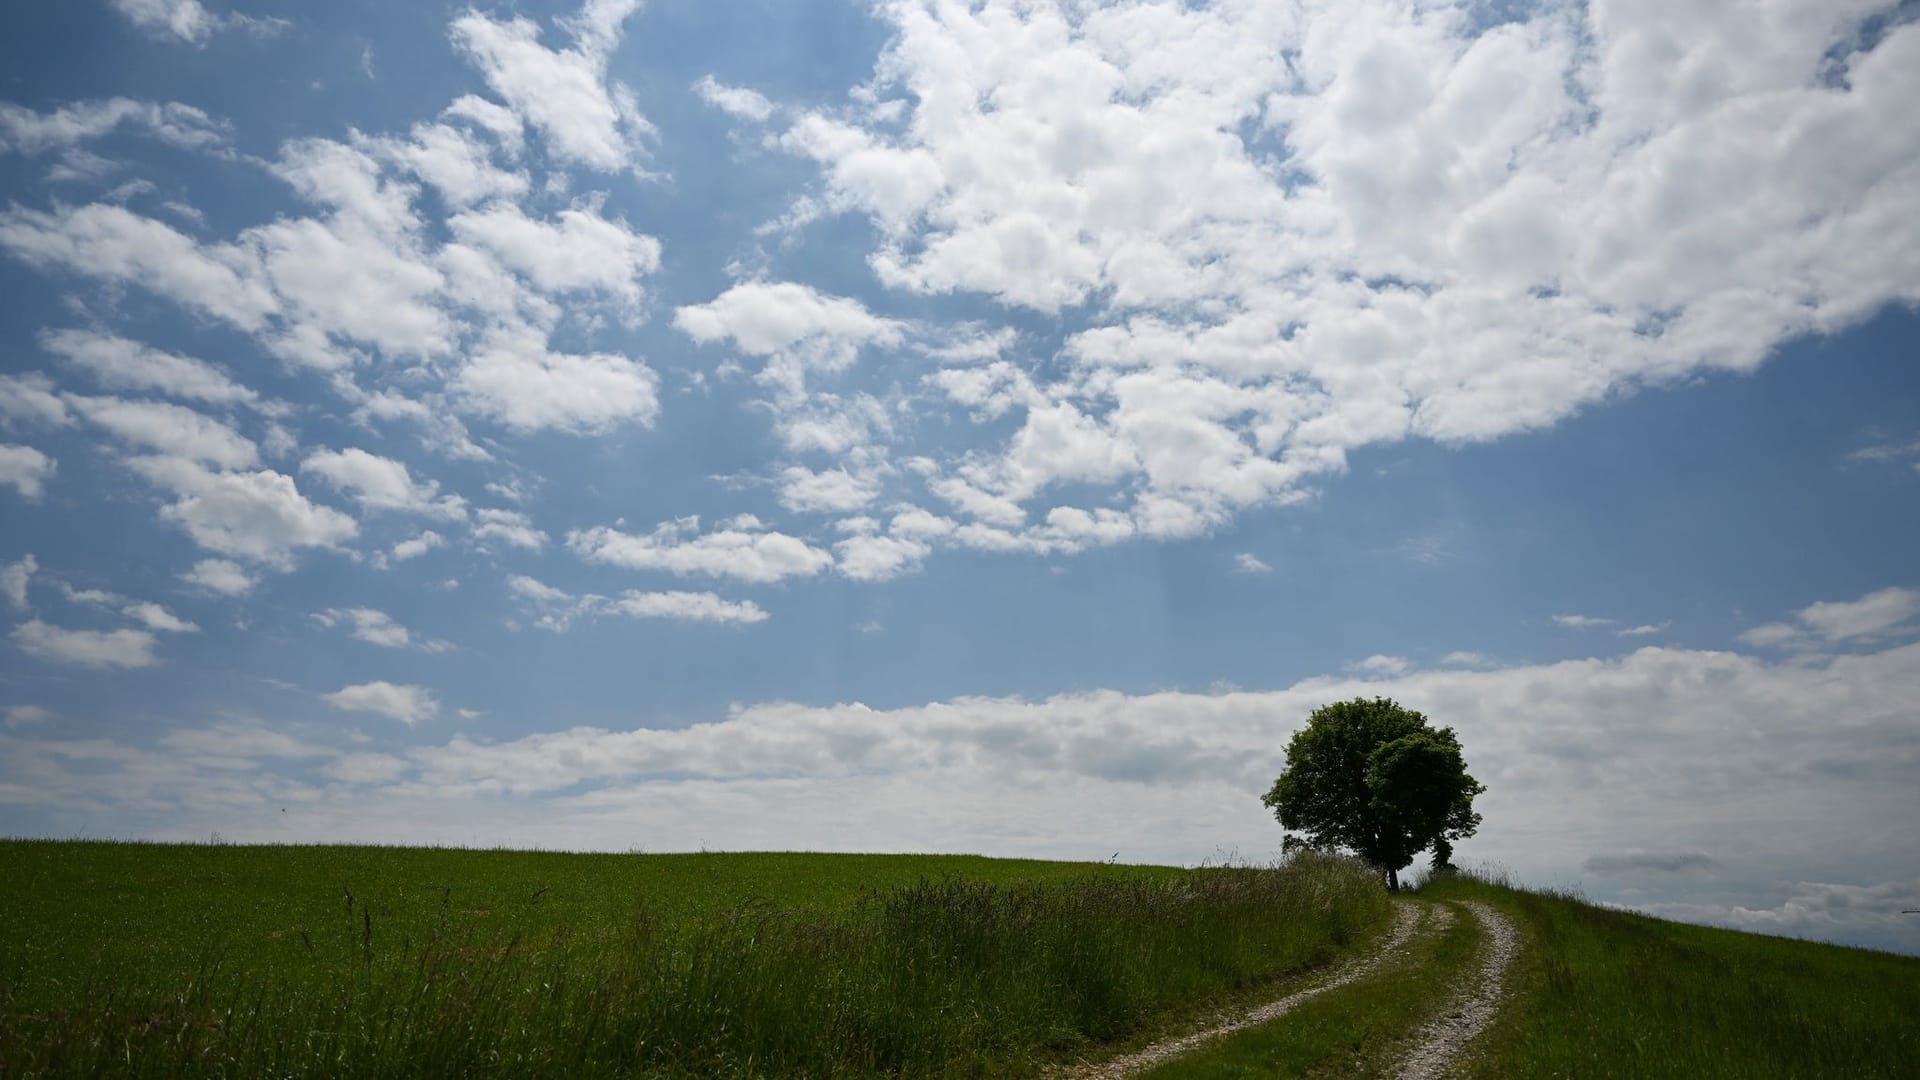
1475,1002
1428,918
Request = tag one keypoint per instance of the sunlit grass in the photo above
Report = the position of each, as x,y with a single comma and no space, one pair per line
138,959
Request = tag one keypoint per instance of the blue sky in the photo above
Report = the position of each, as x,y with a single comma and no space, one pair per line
932,427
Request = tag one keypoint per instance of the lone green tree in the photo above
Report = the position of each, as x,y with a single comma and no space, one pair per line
1378,780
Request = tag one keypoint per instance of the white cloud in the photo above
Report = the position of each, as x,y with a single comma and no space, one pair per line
1645,629
1828,911
455,163
804,490
120,364
1248,563
796,327
734,100
1467,658
514,378
740,549
378,483
508,527
1890,453
1581,622
25,469
221,576
1773,635
556,608
14,579
880,558
562,92
172,430
1422,224
86,648
579,251
252,515
110,242
417,546
377,628
1380,664
1872,617
502,123
536,590
405,703
27,132
1778,772
154,617
686,606
185,20
31,399
17,716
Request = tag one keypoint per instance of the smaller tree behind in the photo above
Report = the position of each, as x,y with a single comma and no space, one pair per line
1376,779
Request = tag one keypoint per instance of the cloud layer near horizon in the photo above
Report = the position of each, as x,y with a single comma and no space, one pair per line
1772,768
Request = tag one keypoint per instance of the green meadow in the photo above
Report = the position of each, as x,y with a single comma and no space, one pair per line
1597,992
151,960
130,959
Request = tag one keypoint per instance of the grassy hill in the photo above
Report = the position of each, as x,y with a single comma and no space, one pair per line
129,959
1603,993
148,959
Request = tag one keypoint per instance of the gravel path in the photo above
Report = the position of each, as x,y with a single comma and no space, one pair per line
1472,1007
1406,919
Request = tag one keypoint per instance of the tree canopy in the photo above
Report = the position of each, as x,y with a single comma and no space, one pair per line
1376,779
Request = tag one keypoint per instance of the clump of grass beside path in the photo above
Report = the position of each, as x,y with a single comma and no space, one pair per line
438,963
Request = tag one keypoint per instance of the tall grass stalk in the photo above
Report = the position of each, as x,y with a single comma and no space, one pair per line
942,977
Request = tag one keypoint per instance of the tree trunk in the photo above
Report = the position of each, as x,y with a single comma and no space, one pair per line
1393,880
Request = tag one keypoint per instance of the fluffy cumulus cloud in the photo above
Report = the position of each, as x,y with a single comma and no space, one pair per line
15,577
1837,623
123,648
515,379
24,131
258,515
1278,233
405,703
119,364
377,628
562,92
556,609
220,576
741,548
25,469
466,303
378,483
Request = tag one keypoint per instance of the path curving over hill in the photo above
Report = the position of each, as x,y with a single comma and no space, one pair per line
1474,1004
1409,917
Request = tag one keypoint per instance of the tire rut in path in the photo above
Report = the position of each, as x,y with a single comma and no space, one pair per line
1473,1006
1408,917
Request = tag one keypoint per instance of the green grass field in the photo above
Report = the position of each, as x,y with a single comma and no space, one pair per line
136,960
159,959
1603,993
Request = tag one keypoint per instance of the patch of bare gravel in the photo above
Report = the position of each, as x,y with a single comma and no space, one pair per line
1407,917
1473,1006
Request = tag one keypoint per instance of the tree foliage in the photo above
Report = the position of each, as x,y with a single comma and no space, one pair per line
1378,780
